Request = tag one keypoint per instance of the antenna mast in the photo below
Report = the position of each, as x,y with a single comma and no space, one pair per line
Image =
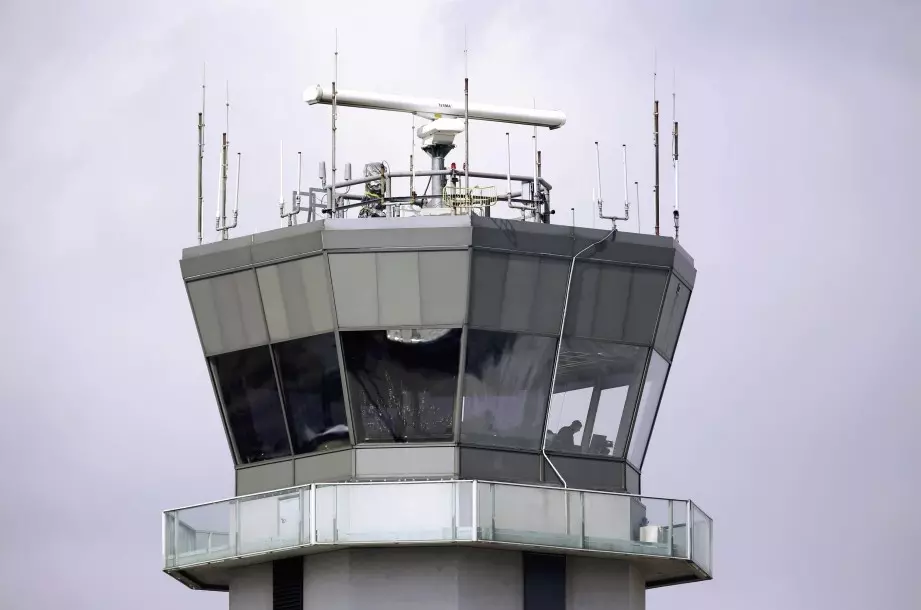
221,214
201,152
466,121
600,201
655,127
675,153
639,226
332,188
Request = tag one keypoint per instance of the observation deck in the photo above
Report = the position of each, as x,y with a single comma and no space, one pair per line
669,541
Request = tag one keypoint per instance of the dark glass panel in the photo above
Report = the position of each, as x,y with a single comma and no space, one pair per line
312,386
250,394
506,382
597,383
649,405
402,383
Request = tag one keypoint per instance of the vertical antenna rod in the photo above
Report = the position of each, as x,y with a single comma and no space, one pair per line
675,153
281,181
236,198
332,188
466,121
508,175
201,153
412,167
536,202
297,198
225,164
655,127
626,195
598,160
639,226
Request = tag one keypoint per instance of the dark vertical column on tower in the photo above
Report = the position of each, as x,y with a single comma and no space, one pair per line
288,584
544,581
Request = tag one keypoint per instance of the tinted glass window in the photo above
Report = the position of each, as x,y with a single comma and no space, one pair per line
402,383
312,388
649,404
597,383
506,383
250,394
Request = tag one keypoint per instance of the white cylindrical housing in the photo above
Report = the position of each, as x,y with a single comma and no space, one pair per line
552,119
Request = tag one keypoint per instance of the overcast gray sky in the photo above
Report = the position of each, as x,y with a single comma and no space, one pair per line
793,410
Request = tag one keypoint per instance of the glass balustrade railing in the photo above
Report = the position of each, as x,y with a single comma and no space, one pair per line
432,512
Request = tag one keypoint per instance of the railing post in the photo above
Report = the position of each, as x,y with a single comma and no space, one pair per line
690,530
582,519
312,515
671,528
176,538
474,512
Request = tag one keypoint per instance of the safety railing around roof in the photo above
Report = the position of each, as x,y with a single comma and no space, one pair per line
437,512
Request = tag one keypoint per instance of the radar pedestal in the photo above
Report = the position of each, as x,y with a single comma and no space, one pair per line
385,386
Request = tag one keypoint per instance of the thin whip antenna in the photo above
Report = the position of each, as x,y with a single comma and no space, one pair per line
201,153
655,127
236,197
332,188
675,151
466,120
536,202
225,164
508,174
297,197
600,200
639,227
281,181
412,167
626,192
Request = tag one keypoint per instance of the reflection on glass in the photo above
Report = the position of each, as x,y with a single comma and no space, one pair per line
649,404
596,382
402,390
250,394
506,381
312,387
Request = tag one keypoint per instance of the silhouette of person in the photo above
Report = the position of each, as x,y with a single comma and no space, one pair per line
565,437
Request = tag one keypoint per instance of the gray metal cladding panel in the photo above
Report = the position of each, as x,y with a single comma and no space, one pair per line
589,473
296,298
398,295
615,302
216,257
397,237
674,308
517,292
633,480
228,312
495,465
684,266
287,242
538,238
444,278
265,477
324,467
401,462
354,279
400,288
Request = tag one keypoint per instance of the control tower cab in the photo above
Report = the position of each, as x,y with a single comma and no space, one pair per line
437,408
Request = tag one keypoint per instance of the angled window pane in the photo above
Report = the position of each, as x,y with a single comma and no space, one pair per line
312,386
250,395
597,383
649,404
506,382
402,383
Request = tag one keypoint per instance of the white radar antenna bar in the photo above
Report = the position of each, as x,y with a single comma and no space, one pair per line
435,108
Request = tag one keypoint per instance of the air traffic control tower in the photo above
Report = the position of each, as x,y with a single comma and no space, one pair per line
431,407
